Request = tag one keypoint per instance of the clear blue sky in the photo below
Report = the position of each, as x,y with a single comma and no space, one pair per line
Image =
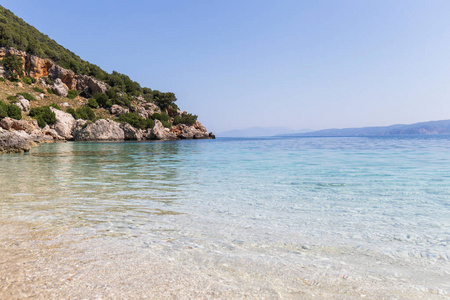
299,64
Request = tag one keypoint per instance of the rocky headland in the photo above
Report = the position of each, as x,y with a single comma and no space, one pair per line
50,87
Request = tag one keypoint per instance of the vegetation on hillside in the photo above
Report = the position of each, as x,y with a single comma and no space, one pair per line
16,33
15,66
43,115
84,112
10,110
123,91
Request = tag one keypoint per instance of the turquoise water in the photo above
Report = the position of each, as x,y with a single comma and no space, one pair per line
385,197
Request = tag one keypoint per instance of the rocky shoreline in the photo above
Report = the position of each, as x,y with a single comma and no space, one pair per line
18,136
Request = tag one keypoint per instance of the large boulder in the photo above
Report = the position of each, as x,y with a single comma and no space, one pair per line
151,108
118,110
67,76
159,132
14,142
195,131
65,123
23,103
59,88
101,130
89,85
49,131
142,112
41,81
132,133
13,124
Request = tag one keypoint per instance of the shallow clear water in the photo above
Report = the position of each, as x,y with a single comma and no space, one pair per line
389,197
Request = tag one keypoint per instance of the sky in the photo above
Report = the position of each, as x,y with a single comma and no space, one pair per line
299,64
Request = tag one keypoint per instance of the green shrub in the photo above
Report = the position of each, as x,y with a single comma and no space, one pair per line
188,119
72,111
38,90
164,100
14,65
117,96
93,103
12,99
14,112
166,124
136,121
43,115
3,110
27,96
50,91
10,110
72,94
161,116
85,113
27,80
41,122
2,79
55,105
102,100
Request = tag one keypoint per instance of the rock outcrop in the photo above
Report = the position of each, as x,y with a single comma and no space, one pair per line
18,135
23,103
38,67
101,130
159,132
195,131
65,123
89,85
13,142
118,110
12,124
59,88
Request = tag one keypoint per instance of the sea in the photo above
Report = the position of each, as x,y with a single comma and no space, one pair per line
231,218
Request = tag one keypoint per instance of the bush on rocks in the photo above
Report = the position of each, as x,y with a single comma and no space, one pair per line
27,96
188,119
43,115
10,110
136,121
72,94
85,113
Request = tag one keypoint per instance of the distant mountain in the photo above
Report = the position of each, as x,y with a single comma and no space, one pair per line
423,128
258,132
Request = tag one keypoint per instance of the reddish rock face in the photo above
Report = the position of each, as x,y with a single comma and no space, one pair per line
33,66
37,67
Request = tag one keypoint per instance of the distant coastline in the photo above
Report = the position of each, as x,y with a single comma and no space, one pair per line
441,127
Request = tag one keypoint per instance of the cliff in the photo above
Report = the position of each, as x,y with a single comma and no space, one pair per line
36,67
45,83
47,94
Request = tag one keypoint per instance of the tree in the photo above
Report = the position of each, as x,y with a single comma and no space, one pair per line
164,100
14,65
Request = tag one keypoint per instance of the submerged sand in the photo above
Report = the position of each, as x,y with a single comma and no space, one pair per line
39,263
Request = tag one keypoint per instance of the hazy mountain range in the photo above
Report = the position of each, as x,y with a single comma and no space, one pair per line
422,128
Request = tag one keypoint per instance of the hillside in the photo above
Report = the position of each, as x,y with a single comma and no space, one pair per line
54,88
422,128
